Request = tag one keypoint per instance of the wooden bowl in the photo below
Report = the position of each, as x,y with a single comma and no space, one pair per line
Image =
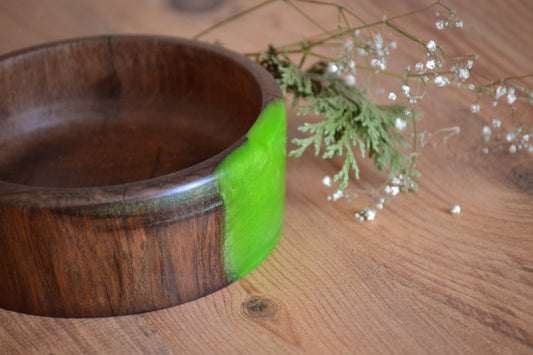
136,173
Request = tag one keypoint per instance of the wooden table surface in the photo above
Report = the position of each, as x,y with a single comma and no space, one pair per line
415,280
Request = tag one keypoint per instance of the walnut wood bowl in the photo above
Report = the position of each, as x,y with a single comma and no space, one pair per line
136,173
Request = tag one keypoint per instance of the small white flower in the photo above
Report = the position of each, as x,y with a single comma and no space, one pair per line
474,108
370,215
405,90
392,96
469,64
440,24
496,123
431,46
471,87
392,190
463,74
378,40
348,46
400,124
512,148
510,137
511,97
441,81
455,209
486,131
485,150
500,91
338,194
333,67
350,80
430,64
459,24
326,181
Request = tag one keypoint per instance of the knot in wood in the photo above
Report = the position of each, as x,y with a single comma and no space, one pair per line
522,176
259,307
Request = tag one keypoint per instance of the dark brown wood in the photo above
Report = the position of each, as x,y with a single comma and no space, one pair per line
107,145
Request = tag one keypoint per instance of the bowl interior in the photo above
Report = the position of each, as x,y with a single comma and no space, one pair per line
113,110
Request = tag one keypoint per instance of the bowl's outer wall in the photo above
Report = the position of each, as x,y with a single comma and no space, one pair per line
252,186
154,244
60,262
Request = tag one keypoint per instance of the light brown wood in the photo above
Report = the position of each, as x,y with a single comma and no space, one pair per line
415,280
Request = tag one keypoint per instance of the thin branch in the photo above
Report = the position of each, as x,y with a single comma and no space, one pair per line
233,18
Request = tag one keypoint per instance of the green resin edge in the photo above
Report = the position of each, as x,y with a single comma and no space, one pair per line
252,186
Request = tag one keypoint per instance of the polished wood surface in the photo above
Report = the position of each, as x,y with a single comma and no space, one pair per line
415,280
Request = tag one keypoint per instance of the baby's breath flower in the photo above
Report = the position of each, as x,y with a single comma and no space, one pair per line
475,108
338,194
486,133
366,214
370,215
431,46
441,81
349,80
392,96
405,90
463,74
326,181
400,124
500,91
512,148
333,67
430,64
496,123
455,210
511,97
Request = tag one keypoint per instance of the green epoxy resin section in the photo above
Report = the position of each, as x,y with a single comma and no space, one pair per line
252,186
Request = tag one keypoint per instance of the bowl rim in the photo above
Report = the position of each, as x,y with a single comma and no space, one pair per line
191,177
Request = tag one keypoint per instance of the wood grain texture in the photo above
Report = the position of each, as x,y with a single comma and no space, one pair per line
416,280
108,202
